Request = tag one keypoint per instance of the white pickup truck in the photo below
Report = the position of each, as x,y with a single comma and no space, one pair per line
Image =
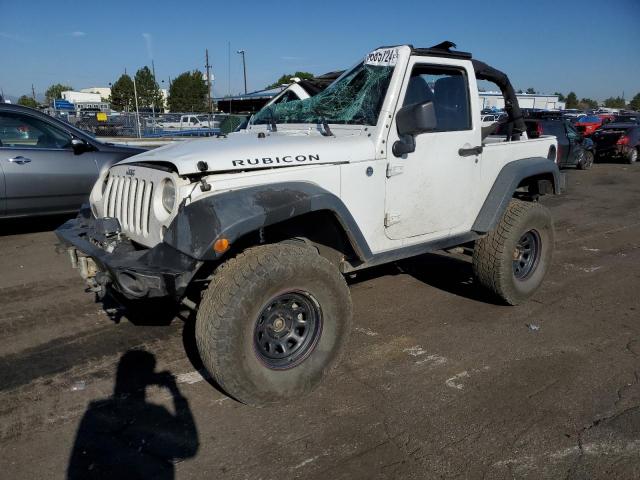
257,230
190,122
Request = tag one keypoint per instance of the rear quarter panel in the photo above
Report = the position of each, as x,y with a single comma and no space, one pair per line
496,155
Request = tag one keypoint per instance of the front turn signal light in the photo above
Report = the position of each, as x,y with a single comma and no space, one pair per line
221,245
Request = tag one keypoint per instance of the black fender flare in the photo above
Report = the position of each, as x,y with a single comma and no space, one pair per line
234,213
506,183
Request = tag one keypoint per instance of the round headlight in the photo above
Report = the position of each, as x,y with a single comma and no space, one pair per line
169,195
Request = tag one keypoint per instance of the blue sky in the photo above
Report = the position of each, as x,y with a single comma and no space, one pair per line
589,46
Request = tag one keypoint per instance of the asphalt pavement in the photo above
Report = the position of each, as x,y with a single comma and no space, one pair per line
438,381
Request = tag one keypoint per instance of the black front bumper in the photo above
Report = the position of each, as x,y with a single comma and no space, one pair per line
135,272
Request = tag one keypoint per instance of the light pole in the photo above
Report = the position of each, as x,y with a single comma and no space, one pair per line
244,69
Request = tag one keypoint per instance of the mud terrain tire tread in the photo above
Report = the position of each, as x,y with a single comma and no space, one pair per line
231,303
493,254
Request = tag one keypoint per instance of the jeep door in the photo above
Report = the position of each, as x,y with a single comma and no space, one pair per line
41,171
432,189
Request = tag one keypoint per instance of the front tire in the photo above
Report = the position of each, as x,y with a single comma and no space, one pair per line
632,156
512,260
273,322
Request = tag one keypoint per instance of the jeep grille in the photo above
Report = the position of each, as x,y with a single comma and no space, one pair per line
129,200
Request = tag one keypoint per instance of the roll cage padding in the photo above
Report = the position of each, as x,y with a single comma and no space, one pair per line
235,213
508,180
511,105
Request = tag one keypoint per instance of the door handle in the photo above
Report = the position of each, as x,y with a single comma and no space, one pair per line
467,152
20,160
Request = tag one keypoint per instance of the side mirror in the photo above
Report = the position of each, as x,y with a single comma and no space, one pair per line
417,118
413,120
80,146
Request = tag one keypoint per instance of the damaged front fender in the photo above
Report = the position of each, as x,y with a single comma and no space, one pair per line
232,214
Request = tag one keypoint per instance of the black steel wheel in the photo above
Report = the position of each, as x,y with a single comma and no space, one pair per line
273,322
512,260
287,330
526,255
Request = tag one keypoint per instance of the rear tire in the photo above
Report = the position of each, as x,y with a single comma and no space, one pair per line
512,260
257,301
586,162
632,156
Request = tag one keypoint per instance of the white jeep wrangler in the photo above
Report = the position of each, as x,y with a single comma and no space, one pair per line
389,162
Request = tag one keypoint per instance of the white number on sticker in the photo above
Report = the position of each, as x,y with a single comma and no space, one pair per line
383,57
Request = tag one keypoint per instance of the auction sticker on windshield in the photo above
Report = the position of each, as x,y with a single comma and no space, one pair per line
383,57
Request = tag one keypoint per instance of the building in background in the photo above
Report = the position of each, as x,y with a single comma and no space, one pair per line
85,101
247,103
495,100
104,92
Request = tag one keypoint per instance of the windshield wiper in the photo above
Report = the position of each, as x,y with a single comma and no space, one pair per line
326,131
272,121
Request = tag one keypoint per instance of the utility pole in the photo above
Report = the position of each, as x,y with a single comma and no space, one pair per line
208,69
244,69
229,74
135,94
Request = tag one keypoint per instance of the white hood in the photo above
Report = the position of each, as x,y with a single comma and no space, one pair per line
245,151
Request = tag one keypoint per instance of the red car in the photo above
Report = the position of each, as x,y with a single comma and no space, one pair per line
587,124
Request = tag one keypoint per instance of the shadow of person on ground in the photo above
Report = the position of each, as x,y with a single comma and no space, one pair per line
125,437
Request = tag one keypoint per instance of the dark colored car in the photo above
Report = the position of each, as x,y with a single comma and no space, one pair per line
46,165
573,148
618,140
627,118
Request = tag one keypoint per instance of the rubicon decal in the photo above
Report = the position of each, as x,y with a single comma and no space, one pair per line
276,160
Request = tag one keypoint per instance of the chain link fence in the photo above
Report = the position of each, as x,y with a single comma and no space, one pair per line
165,125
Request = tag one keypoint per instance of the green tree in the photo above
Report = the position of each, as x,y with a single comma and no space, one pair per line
531,91
286,78
617,102
588,103
122,94
149,94
54,92
561,97
634,104
572,100
27,101
188,93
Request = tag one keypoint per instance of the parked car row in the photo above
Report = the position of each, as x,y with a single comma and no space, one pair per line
48,166
584,139
614,136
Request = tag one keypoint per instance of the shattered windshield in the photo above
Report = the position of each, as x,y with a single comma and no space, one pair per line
356,98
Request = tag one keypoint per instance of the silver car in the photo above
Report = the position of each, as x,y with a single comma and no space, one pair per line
46,165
